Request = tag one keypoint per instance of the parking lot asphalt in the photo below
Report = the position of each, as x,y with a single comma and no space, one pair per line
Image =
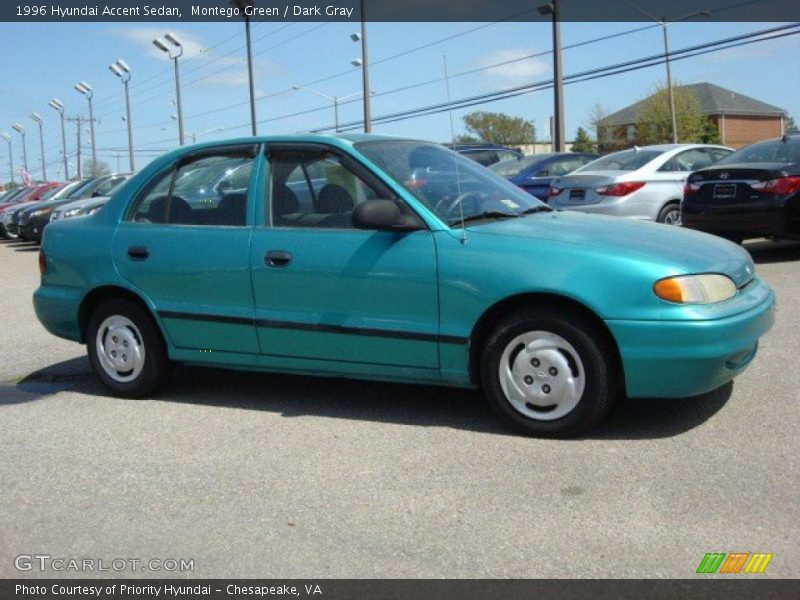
261,475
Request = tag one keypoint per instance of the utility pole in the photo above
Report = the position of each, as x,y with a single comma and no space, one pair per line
558,81
79,121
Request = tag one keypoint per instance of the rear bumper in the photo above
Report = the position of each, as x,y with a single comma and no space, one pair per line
761,222
56,308
675,359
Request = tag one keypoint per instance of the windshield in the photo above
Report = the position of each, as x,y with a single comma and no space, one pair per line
446,182
627,160
109,185
513,166
771,151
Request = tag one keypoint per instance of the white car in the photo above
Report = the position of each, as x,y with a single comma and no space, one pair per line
640,183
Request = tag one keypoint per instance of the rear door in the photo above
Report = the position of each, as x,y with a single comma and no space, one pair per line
185,244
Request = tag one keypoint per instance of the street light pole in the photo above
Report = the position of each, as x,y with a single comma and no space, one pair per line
242,5
21,130
178,47
364,64
667,61
38,118
57,105
85,89
121,69
7,138
558,81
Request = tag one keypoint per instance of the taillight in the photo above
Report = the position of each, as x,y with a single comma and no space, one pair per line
553,191
42,263
620,189
690,188
781,187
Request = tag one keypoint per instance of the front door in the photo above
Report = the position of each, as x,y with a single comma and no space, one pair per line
186,244
327,291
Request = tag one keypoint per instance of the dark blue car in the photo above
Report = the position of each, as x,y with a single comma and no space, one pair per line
533,173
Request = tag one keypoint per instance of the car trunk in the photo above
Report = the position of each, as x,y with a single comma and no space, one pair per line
579,189
729,186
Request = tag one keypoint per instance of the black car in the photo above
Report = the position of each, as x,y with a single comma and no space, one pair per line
485,154
32,222
752,193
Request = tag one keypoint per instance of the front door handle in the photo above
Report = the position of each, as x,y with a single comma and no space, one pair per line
277,258
138,253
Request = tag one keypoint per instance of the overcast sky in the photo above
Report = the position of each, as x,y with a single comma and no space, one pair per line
41,61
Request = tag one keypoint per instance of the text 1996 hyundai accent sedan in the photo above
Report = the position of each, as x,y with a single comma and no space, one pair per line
392,259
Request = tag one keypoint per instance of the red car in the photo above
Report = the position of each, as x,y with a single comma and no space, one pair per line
34,193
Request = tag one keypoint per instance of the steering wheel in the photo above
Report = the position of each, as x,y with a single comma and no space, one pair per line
455,203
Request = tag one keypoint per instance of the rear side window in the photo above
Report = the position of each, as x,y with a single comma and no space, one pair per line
209,190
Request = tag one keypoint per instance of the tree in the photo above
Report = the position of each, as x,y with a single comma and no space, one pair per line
790,124
710,133
654,125
499,128
583,142
95,169
597,113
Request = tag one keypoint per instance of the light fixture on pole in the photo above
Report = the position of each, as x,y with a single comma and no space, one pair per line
59,106
667,61
21,130
202,133
174,50
85,89
335,99
363,62
558,82
242,5
7,138
121,69
38,118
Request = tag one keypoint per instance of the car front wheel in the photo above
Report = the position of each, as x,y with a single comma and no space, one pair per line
126,349
549,373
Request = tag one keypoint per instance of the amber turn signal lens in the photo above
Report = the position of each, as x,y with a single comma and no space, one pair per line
669,289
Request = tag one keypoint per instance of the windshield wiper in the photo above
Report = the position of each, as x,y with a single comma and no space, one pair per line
489,214
536,209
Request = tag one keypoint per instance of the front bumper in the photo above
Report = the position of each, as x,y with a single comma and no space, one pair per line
31,231
676,359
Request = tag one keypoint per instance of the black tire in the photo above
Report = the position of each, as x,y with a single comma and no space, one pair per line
157,365
672,209
595,350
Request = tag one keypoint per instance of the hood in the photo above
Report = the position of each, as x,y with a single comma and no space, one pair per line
679,250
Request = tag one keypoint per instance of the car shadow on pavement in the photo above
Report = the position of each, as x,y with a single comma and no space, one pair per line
773,252
416,405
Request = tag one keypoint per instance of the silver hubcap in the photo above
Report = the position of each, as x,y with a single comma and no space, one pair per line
120,349
541,375
673,217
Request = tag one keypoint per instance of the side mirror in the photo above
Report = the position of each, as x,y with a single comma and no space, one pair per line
383,215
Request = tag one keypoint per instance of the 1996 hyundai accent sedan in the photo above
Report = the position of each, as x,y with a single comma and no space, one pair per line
392,259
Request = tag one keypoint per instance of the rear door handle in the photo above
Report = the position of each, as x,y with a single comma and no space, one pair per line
277,258
138,253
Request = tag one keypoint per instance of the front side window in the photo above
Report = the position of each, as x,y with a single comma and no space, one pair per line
209,190
451,186
310,188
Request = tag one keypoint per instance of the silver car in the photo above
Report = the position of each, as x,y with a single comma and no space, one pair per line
640,183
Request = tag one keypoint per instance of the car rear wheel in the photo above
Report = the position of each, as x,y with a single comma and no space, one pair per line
670,214
548,372
126,349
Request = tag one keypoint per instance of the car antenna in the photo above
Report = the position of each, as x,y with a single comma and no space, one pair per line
453,141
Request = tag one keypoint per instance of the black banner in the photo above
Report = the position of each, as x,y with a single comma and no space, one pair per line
32,11
396,589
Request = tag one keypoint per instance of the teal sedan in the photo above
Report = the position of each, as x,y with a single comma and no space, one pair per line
391,259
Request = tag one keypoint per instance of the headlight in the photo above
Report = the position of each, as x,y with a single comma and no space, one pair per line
95,209
73,212
41,212
695,289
